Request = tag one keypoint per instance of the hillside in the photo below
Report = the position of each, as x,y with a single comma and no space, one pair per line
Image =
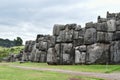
6,51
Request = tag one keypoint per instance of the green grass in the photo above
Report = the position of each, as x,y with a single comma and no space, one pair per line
83,68
6,51
9,73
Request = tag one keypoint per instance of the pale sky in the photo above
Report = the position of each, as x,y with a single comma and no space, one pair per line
27,18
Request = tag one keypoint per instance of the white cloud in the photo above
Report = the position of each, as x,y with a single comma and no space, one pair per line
27,18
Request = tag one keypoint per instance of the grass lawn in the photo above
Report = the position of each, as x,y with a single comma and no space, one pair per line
9,73
84,68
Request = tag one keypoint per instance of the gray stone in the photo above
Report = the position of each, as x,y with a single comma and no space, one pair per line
101,27
78,42
101,20
67,52
51,41
61,37
115,52
76,35
116,35
101,37
90,36
57,28
97,54
78,28
43,56
109,37
83,48
111,25
79,57
118,25
69,36
89,25
43,46
81,32
71,26
51,56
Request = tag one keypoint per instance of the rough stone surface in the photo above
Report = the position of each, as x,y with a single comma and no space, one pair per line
115,52
111,24
96,43
90,36
97,53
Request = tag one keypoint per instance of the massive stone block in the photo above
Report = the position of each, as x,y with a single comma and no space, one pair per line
110,15
78,42
43,46
81,32
51,41
76,35
51,56
101,20
104,37
97,54
89,25
109,37
82,48
68,36
57,28
116,36
61,37
115,52
102,27
78,28
90,36
111,24
80,57
67,52
118,25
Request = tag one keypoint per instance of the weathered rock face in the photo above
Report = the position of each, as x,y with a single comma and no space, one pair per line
90,36
111,24
97,53
115,52
97,43
51,56
80,54
102,27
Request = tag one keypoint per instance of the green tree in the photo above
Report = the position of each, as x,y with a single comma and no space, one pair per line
18,41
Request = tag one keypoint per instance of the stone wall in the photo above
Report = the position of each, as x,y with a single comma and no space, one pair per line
96,43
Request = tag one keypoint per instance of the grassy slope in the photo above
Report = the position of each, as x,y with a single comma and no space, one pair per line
8,73
84,68
5,51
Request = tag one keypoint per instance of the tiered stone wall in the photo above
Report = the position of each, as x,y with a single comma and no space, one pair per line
96,43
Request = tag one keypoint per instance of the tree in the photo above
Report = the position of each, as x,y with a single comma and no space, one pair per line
18,41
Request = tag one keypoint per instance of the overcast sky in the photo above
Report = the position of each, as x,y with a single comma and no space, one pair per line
27,18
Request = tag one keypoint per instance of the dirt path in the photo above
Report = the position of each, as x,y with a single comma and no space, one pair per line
110,76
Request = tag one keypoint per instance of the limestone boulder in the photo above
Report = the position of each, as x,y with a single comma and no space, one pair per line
115,52
43,46
111,24
78,42
80,57
116,36
97,54
57,28
90,36
102,27
51,56
118,25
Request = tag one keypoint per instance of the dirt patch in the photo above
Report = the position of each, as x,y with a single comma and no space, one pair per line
74,79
